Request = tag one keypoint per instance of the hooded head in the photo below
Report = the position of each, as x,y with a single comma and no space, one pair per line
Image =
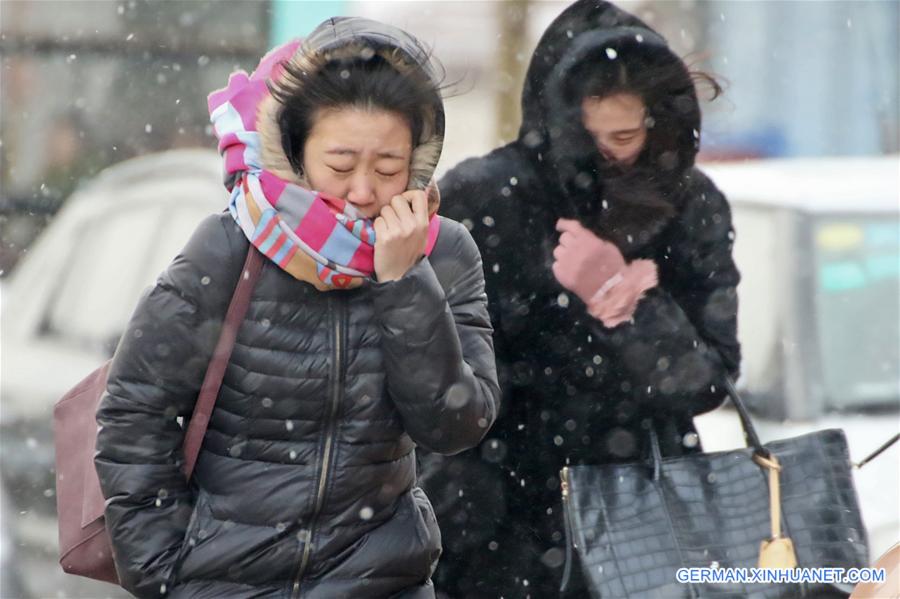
595,51
366,73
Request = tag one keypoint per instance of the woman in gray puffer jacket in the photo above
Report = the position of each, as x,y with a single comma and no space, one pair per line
353,351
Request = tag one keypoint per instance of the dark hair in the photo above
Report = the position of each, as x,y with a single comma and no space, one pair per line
668,89
366,81
647,80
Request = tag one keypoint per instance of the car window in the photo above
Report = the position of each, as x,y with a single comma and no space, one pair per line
104,276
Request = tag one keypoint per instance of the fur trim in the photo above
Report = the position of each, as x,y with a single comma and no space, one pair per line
424,160
273,157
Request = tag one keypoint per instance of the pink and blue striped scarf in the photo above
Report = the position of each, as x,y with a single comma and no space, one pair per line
316,238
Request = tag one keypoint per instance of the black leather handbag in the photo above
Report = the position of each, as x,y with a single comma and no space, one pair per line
786,504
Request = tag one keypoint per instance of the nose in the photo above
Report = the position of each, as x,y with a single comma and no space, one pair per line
362,191
606,152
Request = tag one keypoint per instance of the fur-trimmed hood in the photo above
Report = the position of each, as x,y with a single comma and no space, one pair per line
345,37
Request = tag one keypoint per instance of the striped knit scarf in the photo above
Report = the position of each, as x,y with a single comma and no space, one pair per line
316,238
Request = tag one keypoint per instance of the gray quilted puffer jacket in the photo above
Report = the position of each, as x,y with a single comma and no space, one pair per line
306,482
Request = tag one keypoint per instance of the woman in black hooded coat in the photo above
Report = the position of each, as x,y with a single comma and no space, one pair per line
580,388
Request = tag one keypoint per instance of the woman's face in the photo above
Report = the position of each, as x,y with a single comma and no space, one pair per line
362,156
617,124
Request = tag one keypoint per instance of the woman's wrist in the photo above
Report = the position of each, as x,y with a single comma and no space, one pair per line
617,299
396,272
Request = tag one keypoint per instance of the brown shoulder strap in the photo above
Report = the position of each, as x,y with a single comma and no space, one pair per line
212,382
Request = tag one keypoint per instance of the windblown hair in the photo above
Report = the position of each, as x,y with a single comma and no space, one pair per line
668,90
364,79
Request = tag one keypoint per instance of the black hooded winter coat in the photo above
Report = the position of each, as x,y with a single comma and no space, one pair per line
306,482
574,390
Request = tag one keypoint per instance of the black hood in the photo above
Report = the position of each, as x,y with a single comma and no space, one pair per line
631,206
581,17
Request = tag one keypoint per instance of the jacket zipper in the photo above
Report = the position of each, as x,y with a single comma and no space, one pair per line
337,363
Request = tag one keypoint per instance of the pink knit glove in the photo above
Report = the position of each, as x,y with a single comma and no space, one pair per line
615,302
583,262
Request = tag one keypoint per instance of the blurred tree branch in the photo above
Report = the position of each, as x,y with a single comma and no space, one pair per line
511,64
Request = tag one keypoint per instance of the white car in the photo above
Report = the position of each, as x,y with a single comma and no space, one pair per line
818,246
63,310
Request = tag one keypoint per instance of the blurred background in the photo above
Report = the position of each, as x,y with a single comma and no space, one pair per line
89,84
804,142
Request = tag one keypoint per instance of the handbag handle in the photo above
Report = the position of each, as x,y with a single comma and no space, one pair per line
212,382
877,452
750,435
753,439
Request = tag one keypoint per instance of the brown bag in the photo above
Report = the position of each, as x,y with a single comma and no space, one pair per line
84,544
